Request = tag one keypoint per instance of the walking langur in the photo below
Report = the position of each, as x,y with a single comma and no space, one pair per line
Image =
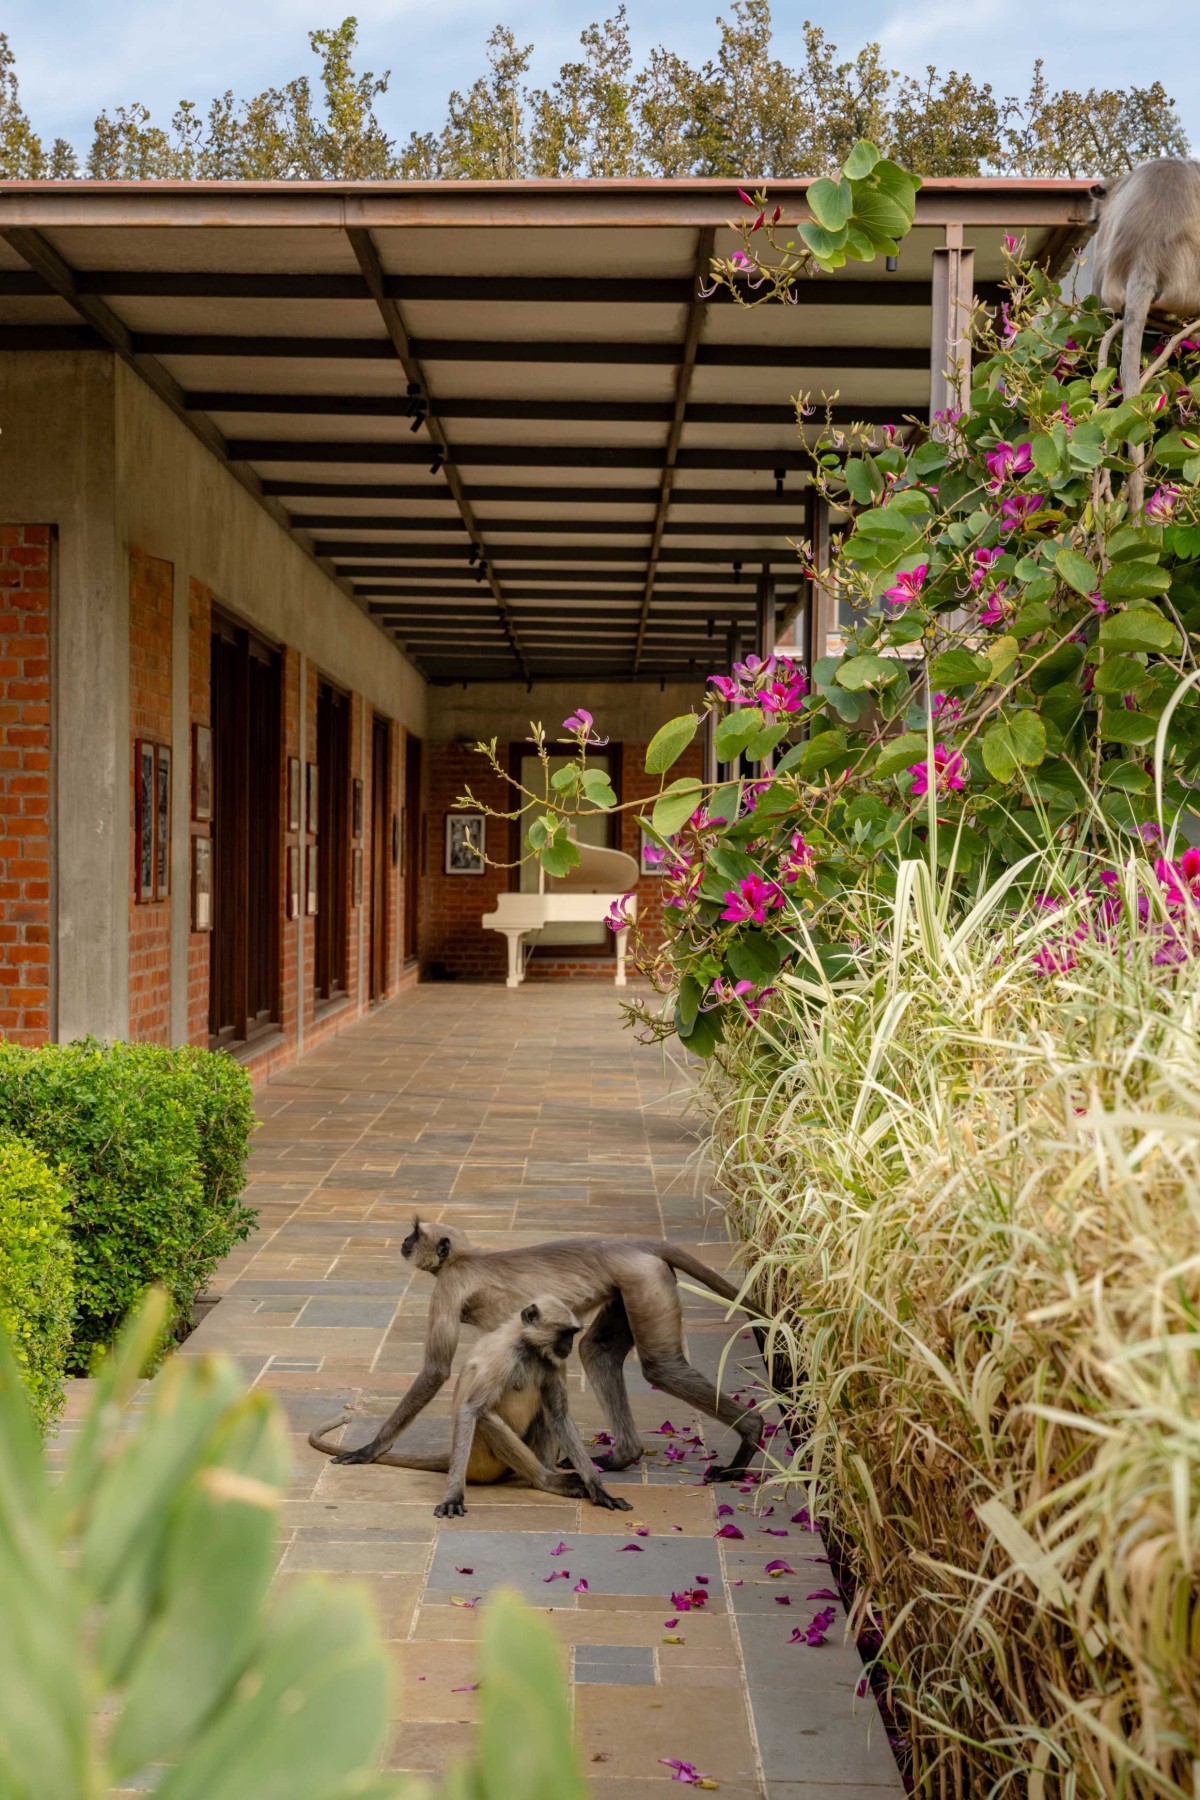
628,1285
510,1415
1147,257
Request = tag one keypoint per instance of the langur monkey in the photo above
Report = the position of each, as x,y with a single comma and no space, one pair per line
628,1285
510,1414
1147,256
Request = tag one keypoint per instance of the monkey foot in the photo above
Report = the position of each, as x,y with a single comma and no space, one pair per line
727,1472
450,1509
611,1502
364,1454
612,1460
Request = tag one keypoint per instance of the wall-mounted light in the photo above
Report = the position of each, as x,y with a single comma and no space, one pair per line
892,264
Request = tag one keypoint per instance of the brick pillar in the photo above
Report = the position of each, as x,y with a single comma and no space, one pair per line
25,552
199,713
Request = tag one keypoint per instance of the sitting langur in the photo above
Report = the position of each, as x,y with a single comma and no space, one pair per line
1147,258
628,1285
510,1415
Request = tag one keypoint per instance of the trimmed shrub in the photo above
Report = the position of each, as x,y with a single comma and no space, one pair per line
151,1143
36,1283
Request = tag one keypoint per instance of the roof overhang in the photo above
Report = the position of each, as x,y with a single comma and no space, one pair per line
605,471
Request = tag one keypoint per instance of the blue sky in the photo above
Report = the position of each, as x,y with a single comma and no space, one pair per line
76,56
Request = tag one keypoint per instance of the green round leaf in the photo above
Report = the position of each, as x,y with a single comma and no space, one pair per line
861,160
669,743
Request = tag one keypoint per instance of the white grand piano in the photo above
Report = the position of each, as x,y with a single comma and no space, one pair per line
583,897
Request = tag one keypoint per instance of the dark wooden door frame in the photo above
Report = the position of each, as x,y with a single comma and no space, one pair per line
381,816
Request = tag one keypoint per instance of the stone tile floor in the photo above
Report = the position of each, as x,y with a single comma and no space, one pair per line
521,1115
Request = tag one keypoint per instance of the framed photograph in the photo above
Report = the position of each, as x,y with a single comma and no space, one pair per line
144,808
358,806
162,823
358,872
650,859
465,843
293,816
310,822
293,868
310,879
202,774
201,884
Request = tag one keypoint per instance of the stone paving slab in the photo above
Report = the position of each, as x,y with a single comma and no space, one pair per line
519,1116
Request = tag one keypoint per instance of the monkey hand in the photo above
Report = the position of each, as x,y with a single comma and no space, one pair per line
364,1454
454,1506
612,1502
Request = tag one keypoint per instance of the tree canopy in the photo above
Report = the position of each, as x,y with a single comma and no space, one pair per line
743,114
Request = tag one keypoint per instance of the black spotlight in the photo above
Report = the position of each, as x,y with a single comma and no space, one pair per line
737,574
780,475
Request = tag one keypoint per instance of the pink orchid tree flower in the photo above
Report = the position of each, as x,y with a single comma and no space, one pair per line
948,766
580,723
1008,464
907,587
750,900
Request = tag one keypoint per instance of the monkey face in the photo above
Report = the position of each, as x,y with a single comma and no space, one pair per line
431,1247
549,1327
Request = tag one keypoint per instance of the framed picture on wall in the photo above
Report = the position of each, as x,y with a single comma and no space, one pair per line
310,823
202,774
358,806
293,816
293,867
465,842
144,809
358,877
310,879
651,858
201,884
162,823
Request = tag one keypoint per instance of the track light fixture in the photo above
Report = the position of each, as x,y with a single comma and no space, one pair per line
436,464
780,475
892,264
712,628
737,574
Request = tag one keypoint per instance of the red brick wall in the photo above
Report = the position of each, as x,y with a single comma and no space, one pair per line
452,905
151,587
25,552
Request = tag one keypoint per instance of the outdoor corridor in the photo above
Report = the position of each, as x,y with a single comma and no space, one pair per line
519,1116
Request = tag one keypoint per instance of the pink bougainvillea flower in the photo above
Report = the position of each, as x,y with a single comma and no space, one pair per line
983,560
948,766
995,609
750,900
728,1531
1162,503
1015,514
907,587
1008,464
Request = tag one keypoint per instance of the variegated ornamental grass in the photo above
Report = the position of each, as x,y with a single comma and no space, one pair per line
969,1180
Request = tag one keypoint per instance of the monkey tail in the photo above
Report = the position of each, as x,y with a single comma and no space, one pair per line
1138,300
687,1264
428,1465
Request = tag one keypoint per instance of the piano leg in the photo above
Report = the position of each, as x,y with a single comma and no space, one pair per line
622,939
516,962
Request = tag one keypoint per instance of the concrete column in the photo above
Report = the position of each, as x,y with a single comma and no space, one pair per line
953,299
181,801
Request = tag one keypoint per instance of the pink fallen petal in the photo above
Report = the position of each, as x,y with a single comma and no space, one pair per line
462,1571
641,1531
703,1580
823,1594
724,1510
774,1531
558,1575
779,1567
469,1689
729,1531
783,1599
670,1624
636,1547
560,1549
581,1587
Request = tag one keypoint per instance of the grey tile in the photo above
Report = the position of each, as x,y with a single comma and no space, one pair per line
523,1560
343,1312
640,1656
613,1675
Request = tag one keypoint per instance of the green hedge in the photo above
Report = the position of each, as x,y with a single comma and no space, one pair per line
151,1143
36,1282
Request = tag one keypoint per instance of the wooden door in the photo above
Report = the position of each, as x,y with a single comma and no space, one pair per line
381,854
413,840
